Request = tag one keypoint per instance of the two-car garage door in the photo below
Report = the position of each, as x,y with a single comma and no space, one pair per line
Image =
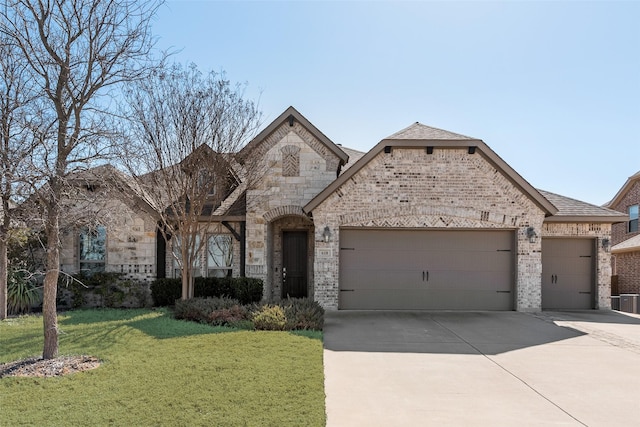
433,270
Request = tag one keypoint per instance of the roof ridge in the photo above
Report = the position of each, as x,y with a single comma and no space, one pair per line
434,131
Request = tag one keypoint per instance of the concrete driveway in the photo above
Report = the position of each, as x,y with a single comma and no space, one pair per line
395,368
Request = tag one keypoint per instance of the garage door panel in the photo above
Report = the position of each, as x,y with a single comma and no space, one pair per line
467,260
464,280
402,269
405,299
379,259
378,279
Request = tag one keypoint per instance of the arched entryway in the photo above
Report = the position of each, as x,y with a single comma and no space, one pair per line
291,255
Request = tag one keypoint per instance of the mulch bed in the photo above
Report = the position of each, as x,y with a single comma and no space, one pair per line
37,367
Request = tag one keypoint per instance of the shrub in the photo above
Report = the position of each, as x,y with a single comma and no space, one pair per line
102,289
229,316
22,293
247,290
269,318
303,313
165,292
244,289
200,309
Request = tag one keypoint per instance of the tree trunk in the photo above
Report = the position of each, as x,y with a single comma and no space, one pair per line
3,277
49,313
187,284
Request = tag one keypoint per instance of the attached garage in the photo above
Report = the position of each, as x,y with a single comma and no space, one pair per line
429,270
568,273
432,220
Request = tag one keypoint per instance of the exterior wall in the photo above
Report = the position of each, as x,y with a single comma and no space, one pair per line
449,189
632,197
131,239
281,192
627,264
628,270
603,258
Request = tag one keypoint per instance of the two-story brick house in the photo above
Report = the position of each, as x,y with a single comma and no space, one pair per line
625,237
427,219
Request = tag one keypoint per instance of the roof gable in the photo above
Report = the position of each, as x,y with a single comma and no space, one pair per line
419,135
623,191
288,118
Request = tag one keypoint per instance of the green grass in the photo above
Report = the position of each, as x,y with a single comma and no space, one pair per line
158,371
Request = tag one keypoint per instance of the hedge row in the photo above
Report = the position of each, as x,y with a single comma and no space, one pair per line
246,290
289,314
101,289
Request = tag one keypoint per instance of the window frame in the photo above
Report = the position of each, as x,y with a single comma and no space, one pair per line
634,213
212,269
92,265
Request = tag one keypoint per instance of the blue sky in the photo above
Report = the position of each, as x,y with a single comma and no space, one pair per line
552,87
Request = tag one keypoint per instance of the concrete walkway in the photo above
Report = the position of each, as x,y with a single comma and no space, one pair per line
386,368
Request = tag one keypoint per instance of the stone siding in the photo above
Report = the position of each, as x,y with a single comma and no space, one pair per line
280,193
449,189
131,238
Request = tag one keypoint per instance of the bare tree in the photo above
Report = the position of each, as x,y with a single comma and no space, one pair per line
188,128
76,52
19,114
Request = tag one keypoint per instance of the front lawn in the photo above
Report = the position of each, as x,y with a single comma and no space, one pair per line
164,372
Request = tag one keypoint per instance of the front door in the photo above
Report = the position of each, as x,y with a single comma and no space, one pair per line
294,264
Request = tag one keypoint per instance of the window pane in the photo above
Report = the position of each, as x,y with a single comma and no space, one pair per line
219,251
177,251
633,219
93,245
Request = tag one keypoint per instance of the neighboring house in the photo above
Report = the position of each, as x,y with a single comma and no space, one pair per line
427,219
625,237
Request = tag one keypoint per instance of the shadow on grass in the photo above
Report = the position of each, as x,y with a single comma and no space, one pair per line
311,334
167,327
156,323
100,315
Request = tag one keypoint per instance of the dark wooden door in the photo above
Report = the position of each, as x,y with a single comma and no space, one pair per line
294,264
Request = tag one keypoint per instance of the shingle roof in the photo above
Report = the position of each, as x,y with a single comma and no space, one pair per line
575,210
420,131
354,156
629,245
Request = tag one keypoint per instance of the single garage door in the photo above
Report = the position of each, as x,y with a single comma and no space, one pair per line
568,273
430,270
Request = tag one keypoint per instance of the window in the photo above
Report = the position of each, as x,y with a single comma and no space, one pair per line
633,219
177,258
93,249
206,180
219,255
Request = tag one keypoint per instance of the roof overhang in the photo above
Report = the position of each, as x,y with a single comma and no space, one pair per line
630,245
592,219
